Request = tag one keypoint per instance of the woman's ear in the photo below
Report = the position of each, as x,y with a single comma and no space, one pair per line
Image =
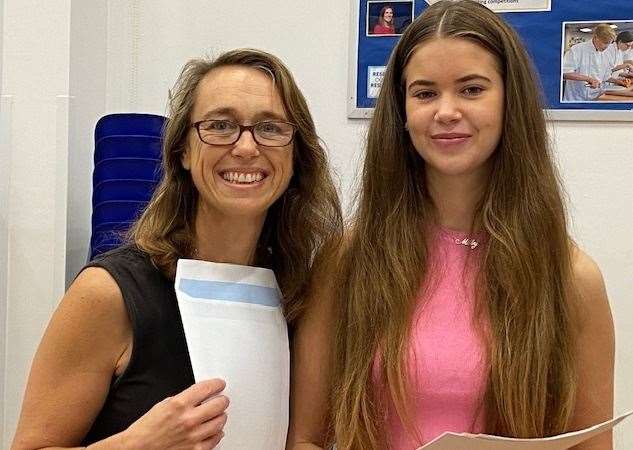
185,158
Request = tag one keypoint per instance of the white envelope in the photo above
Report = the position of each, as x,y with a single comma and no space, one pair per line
235,330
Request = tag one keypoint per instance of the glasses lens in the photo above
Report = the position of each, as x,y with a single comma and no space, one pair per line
218,132
273,133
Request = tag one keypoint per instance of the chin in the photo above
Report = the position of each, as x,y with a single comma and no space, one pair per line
454,170
246,207
245,210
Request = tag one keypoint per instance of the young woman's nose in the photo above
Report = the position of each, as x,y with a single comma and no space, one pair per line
448,109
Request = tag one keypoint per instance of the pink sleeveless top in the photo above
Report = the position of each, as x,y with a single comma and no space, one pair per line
447,354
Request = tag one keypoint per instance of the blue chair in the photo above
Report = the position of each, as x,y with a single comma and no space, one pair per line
132,146
114,212
129,124
126,169
113,190
118,228
106,238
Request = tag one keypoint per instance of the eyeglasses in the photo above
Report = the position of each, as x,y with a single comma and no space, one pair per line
269,133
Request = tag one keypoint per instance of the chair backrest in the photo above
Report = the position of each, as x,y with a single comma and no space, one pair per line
129,124
132,189
127,169
128,146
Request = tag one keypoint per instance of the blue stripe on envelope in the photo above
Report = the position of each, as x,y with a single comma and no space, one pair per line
230,292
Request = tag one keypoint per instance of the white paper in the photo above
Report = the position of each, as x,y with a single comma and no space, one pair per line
235,330
466,441
375,75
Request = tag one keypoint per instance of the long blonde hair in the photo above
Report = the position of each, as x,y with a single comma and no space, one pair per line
524,279
306,216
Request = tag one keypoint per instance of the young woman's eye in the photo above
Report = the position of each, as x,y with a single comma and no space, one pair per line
473,91
424,95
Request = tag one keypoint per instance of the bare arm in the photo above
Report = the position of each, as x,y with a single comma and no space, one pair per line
619,81
595,353
594,82
312,347
624,65
87,341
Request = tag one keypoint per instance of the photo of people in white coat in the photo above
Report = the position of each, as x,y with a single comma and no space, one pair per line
600,66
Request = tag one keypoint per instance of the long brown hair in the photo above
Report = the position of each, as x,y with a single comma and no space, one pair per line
524,277
306,216
381,16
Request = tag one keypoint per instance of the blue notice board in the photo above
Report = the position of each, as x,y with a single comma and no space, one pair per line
547,34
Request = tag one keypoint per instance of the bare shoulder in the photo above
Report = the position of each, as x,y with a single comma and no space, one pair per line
98,283
589,287
96,294
93,315
585,270
85,344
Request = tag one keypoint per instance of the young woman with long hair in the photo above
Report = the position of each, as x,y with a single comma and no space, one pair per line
459,301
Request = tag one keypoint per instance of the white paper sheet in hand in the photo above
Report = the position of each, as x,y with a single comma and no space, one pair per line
465,441
235,330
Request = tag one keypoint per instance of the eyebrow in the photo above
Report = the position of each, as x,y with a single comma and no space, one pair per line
463,79
261,115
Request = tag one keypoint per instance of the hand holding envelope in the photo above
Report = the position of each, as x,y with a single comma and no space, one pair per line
235,330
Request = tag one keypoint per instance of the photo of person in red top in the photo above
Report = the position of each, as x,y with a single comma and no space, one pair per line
385,24
388,18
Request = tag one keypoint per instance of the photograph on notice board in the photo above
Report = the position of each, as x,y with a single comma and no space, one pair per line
503,6
388,18
597,62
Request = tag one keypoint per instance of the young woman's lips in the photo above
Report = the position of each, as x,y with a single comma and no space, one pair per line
450,139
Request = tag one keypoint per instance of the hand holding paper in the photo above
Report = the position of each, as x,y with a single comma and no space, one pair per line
465,441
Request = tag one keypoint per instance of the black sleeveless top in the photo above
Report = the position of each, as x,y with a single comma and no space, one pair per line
159,365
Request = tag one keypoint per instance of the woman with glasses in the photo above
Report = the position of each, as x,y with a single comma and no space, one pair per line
245,181
463,304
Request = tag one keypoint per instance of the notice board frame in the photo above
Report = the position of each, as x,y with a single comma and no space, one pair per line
543,33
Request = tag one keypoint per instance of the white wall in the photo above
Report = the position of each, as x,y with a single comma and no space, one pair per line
4,201
596,162
88,56
147,51
35,38
125,54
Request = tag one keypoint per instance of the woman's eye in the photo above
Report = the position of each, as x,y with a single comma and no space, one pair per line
473,91
219,125
269,127
424,95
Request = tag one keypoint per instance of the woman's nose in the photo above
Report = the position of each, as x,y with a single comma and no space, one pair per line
246,146
448,109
